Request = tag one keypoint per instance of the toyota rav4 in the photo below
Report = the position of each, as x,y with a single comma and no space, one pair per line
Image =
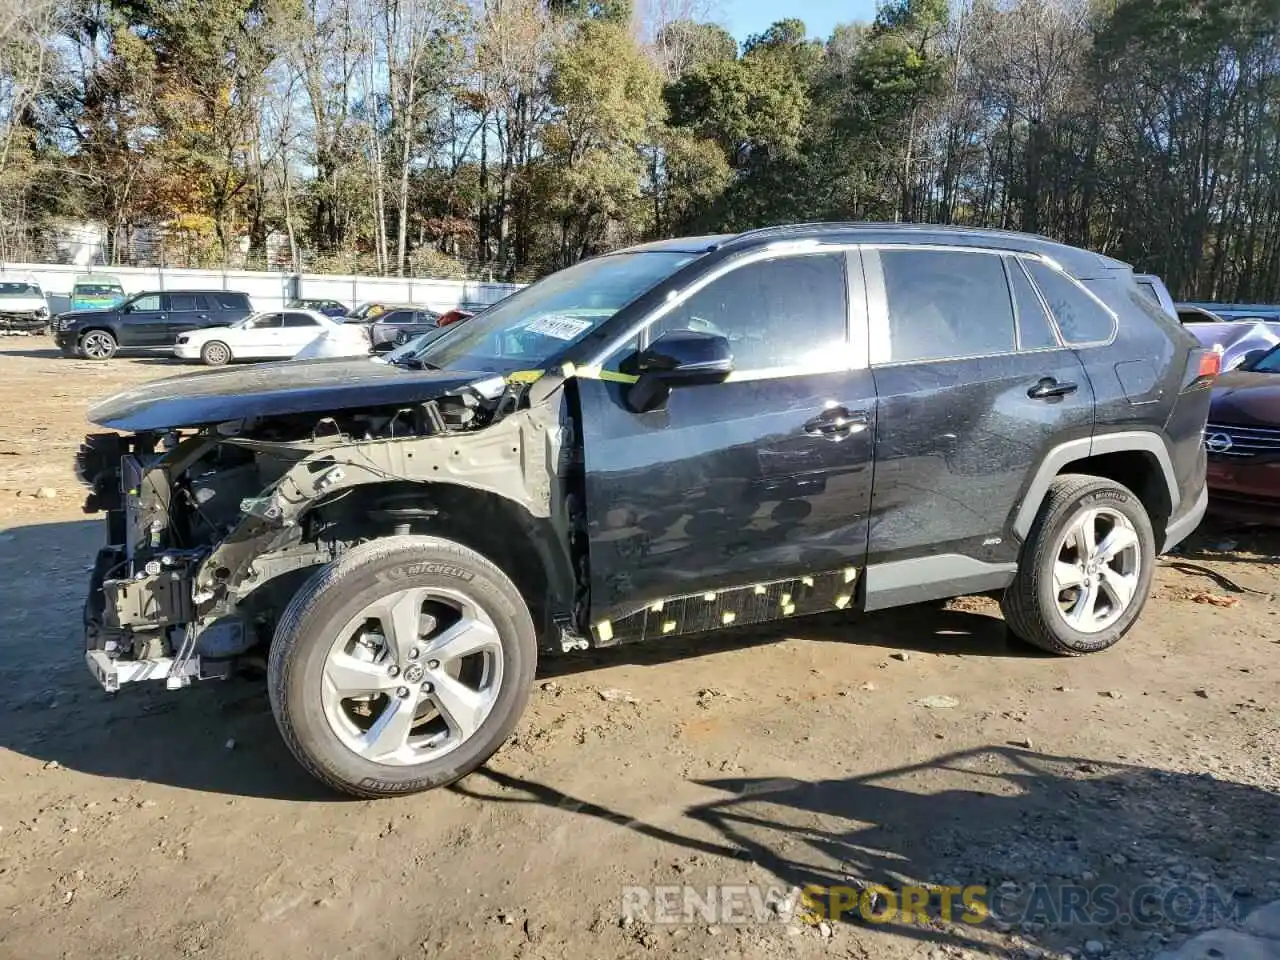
678,437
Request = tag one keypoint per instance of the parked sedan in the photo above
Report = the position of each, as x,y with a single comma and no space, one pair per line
330,308
399,326
1242,440
270,335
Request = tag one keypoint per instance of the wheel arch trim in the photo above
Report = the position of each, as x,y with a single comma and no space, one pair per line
1071,451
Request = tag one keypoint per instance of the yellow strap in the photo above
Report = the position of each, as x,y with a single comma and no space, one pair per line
524,376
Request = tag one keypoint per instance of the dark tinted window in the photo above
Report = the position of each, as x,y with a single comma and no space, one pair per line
945,303
232,301
150,302
1034,327
1080,318
182,302
299,320
396,316
775,313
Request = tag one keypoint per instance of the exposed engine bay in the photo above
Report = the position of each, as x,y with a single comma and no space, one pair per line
211,529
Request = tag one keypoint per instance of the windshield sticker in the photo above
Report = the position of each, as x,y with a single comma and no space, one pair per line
560,327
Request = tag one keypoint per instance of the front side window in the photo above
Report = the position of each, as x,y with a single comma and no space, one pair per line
1081,319
531,327
147,304
262,321
946,303
786,312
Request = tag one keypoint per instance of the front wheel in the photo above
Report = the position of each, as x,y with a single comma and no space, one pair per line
215,353
401,666
1086,568
98,345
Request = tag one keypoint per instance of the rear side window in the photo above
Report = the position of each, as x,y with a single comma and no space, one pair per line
298,320
1081,319
946,303
1035,331
232,301
182,302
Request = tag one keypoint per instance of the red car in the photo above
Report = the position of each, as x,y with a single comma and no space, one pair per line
1242,440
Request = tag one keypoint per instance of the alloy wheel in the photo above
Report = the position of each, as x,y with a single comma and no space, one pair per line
412,677
97,346
1097,569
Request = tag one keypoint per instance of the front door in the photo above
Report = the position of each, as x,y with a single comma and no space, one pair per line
145,323
971,395
259,339
743,500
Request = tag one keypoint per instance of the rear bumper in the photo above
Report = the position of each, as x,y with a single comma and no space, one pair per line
1180,527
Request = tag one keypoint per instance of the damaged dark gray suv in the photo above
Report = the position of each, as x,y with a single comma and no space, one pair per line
678,437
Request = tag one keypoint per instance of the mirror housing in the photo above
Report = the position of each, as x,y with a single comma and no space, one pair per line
686,356
678,358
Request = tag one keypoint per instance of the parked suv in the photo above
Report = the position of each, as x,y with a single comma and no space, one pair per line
149,320
674,438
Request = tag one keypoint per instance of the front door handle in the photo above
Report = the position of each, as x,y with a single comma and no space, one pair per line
1048,388
836,423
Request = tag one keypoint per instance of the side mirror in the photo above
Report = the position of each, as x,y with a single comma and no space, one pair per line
686,356
678,358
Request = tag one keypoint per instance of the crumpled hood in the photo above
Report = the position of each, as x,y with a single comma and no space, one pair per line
22,304
1245,398
273,389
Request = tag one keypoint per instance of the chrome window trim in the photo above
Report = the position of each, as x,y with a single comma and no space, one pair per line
772,251
878,306
1011,263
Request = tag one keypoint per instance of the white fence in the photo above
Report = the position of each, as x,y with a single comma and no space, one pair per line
267,290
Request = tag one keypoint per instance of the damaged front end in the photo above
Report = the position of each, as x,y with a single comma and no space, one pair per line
213,522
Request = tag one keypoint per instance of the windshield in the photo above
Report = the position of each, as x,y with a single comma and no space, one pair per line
96,290
530,327
1269,363
10,289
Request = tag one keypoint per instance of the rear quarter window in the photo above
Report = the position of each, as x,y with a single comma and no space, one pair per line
1081,318
232,301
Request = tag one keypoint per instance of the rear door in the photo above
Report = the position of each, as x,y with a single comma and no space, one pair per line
974,386
187,312
296,331
748,499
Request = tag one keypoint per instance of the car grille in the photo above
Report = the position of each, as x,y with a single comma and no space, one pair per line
1230,440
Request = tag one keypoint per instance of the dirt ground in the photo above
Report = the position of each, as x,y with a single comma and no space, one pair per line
918,745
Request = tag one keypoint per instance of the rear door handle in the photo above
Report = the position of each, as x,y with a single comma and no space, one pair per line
1048,388
836,423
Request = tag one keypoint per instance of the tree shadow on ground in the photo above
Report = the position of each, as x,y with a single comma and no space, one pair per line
1062,849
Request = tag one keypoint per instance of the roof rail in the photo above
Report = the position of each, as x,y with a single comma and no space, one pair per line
783,230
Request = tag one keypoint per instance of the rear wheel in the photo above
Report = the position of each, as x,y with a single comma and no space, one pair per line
215,353
1086,568
401,667
98,345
